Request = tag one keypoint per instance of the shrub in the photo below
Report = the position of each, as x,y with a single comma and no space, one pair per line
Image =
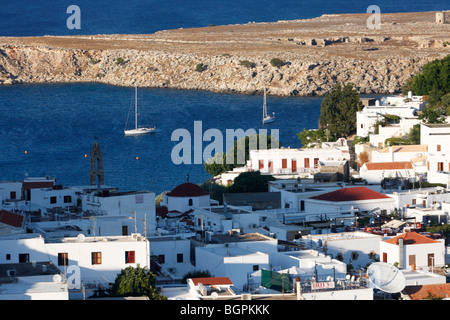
275,62
120,61
200,67
247,64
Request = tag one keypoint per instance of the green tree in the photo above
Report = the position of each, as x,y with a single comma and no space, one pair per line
196,274
136,282
338,111
219,163
252,181
309,138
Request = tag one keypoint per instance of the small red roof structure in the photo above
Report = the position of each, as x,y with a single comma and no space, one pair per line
350,194
401,165
187,189
12,219
411,237
424,292
213,281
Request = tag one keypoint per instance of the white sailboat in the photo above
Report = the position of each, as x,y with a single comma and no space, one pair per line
266,117
137,130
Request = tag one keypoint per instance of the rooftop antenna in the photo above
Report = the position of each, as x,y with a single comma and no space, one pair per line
386,277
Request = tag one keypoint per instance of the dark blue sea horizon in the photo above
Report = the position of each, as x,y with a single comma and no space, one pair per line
49,17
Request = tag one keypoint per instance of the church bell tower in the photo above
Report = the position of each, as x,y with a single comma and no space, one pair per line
96,173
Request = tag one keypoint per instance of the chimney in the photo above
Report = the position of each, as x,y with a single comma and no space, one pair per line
400,253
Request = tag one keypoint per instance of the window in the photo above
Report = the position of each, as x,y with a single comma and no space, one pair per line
255,267
179,257
8,256
52,200
440,166
414,201
96,257
24,257
438,147
124,230
67,199
191,202
283,163
162,259
63,259
355,255
12,195
130,257
384,257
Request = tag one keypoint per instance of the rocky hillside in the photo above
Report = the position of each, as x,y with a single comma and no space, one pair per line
315,54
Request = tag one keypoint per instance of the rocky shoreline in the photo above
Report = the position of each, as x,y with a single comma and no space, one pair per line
316,54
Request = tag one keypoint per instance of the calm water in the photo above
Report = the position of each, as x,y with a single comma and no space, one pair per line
56,124
48,17
48,129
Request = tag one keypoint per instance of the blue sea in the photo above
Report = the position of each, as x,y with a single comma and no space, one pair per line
48,129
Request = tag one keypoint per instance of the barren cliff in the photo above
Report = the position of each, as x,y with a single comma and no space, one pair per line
316,53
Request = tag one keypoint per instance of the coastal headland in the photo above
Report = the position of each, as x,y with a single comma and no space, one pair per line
314,54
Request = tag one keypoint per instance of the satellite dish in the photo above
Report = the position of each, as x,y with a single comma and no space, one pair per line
81,237
386,277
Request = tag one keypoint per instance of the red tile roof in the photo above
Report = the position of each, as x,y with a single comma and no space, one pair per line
212,281
11,219
441,290
389,165
187,189
411,238
37,185
351,194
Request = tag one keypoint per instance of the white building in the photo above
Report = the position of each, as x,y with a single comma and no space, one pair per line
99,259
133,204
55,197
235,256
375,172
173,254
438,164
353,199
185,197
305,160
412,250
357,248
399,153
32,281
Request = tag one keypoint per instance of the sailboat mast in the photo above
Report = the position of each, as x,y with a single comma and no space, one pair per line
264,104
135,108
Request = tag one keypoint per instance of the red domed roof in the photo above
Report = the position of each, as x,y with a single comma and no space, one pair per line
187,189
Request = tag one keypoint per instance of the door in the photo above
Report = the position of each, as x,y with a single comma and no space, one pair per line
294,165
431,259
306,162
316,163
384,257
270,166
261,164
124,230
412,260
